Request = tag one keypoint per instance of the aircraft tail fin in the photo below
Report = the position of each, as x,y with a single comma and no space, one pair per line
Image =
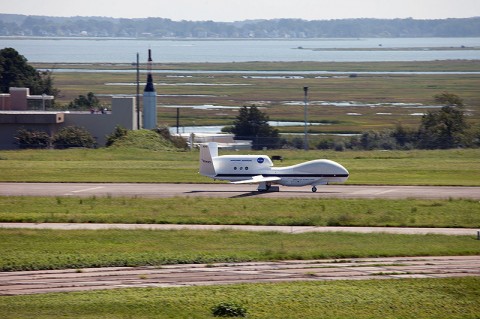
207,152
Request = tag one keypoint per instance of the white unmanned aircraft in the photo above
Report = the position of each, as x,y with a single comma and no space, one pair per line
259,169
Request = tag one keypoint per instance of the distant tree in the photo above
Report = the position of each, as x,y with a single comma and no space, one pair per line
372,140
252,124
88,102
73,136
474,135
16,72
448,99
404,138
32,139
325,144
445,128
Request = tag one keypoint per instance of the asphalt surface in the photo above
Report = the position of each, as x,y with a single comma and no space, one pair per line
48,281
234,191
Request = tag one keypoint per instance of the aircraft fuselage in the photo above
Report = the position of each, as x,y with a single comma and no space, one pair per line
244,167
259,169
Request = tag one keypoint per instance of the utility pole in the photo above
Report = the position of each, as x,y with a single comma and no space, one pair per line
305,101
178,119
137,100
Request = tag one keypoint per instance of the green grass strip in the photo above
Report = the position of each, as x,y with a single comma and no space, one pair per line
24,249
132,165
243,211
408,298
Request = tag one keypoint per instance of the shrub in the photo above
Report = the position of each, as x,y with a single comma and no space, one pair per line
32,139
325,144
229,310
117,134
73,136
177,141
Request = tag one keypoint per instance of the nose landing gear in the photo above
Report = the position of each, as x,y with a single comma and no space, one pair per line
314,189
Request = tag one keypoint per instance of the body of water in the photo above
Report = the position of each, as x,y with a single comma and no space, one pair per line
97,50
215,129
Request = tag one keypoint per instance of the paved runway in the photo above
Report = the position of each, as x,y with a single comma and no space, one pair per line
234,191
282,229
47,281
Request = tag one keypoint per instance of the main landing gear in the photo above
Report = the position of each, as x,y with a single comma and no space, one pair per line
314,189
264,186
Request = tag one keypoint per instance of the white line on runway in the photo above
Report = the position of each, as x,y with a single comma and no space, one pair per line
85,190
385,192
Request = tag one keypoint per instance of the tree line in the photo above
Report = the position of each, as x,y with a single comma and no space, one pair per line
22,25
445,128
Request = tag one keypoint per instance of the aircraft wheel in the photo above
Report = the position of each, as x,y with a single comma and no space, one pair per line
314,189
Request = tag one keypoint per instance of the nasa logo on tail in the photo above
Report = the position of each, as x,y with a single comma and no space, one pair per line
260,160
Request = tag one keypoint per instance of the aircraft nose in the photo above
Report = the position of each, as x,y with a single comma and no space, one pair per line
344,170
340,172
346,173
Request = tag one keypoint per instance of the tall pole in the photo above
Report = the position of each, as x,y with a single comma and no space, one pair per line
178,119
305,101
137,100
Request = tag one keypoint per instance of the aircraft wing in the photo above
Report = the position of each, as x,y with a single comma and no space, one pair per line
258,179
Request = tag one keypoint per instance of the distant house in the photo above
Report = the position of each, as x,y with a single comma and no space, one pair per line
15,114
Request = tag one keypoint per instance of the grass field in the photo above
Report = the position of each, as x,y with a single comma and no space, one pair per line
243,211
442,167
24,249
408,299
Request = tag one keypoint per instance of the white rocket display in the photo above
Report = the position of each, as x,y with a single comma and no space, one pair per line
149,99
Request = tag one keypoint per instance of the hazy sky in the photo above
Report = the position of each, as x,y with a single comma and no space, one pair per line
234,10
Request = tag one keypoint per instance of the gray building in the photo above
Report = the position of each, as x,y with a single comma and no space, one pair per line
14,116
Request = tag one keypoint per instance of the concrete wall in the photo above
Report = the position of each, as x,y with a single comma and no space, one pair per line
5,101
101,125
18,98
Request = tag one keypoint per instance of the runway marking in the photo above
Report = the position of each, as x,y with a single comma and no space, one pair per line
85,190
385,192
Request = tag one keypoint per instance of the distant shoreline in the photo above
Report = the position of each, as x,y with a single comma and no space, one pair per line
157,27
140,38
